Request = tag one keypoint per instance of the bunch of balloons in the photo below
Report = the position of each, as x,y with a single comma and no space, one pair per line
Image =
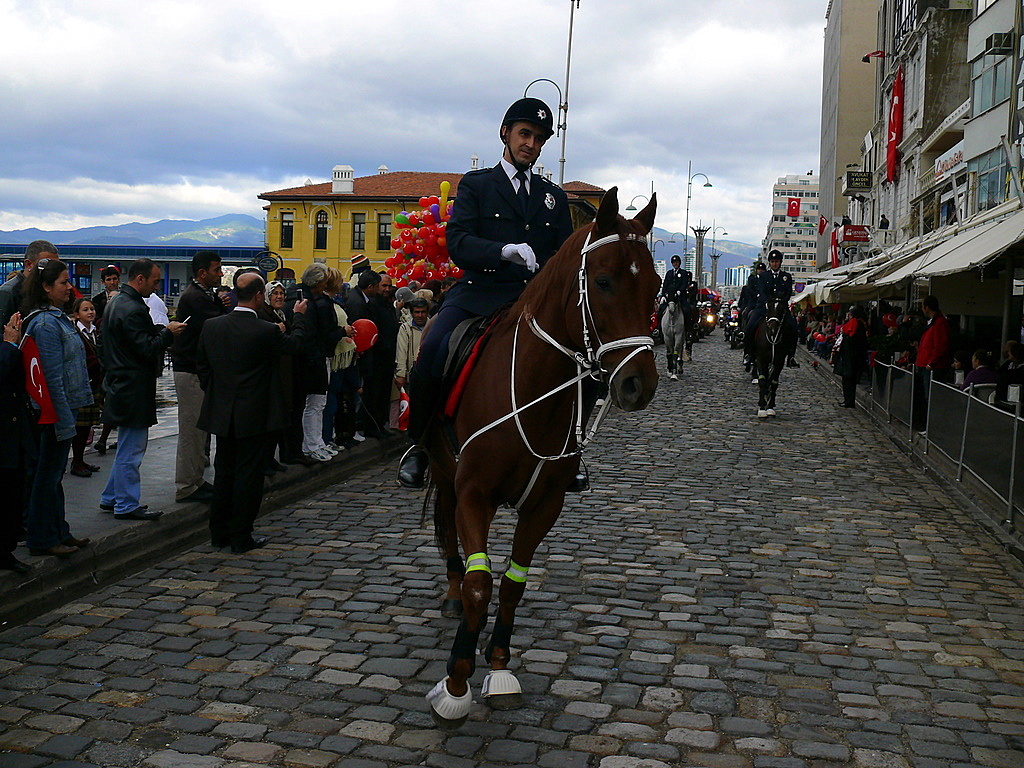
421,247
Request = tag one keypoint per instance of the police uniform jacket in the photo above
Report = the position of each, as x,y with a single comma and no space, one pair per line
677,285
487,216
773,285
748,294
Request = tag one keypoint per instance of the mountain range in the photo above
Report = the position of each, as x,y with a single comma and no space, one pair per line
230,229
243,230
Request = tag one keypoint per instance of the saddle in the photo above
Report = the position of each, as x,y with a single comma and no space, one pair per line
464,347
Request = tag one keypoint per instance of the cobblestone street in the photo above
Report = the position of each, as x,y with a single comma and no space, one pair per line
734,593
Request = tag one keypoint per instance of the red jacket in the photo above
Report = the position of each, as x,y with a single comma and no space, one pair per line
933,349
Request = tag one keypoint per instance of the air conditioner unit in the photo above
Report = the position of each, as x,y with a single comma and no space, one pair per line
999,44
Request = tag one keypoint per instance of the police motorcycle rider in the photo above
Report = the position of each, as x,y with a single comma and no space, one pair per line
773,283
506,223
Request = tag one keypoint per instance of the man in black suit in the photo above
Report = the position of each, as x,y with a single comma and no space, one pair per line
363,304
506,223
243,405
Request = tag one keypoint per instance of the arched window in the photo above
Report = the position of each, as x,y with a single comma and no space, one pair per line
321,231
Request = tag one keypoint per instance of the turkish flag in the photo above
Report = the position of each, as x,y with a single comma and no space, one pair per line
793,206
834,248
895,136
403,410
822,225
35,381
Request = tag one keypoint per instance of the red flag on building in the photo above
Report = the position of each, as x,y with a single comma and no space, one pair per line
35,381
822,225
793,206
892,154
834,248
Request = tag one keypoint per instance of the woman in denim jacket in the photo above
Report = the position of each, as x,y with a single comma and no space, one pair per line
62,359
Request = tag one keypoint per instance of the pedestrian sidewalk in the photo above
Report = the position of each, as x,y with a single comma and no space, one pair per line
121,547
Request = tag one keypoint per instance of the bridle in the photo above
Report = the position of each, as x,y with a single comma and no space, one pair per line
588,364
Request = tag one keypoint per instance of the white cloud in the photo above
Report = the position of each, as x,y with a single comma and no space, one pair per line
181,108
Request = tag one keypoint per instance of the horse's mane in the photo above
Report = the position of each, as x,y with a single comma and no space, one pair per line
559,274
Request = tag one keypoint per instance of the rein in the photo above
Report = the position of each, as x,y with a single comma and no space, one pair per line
588,364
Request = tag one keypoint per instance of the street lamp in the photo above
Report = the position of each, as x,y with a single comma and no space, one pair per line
631,207
689,194
563,94
715,255
654,246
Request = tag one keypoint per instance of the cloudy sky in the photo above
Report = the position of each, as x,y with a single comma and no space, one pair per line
125,111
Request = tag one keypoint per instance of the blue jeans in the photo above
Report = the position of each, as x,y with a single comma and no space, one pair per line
45,525
342,381
124,486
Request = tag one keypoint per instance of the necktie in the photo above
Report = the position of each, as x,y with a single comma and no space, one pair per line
524,194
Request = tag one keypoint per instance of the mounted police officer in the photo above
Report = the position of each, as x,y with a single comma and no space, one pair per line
678,285
506,223
773,283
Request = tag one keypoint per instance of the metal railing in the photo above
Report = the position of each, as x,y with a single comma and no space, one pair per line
980,438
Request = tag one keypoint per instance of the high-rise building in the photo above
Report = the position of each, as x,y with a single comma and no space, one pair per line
736,276
847,103
793,226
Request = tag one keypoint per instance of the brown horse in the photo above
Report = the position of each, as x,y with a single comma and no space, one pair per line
521,426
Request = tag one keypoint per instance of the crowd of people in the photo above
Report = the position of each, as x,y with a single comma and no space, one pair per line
920,341
295,388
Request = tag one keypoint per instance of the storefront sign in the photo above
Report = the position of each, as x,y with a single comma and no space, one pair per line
857,183
950,163
853,233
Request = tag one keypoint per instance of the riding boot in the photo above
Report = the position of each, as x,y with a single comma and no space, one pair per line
424,399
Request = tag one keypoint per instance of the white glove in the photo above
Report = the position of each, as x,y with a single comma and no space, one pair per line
520,253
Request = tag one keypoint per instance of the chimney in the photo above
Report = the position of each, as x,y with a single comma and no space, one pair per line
343,180
382,169
474,163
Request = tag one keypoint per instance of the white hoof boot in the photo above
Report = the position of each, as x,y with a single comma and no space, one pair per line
501,689
771,411
673,377
448,709
754,380
762,413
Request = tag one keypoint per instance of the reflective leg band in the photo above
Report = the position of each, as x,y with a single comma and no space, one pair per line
516,572
501,638
454,565
478,562
464,646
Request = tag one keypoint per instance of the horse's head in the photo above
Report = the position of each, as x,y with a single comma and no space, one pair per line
776,309
621,286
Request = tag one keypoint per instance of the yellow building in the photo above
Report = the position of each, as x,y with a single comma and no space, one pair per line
334,221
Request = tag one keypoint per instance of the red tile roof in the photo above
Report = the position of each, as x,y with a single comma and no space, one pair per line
400,184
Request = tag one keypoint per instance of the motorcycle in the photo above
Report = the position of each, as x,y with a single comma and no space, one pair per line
731,328
708,320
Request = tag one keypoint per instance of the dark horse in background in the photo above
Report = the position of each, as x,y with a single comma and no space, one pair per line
771,342
517,435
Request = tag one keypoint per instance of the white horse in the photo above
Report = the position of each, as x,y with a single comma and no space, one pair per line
673,330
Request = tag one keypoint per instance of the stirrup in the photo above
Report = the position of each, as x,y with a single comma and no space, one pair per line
412,469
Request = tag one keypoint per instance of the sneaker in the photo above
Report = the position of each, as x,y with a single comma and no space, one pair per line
335,447
328,449
358,437
319,455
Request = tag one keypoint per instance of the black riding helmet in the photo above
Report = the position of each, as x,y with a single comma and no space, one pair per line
530,110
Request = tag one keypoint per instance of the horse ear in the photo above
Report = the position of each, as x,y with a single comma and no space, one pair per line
608,212
646,216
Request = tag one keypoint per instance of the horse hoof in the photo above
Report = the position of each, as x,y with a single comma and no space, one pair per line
771,411
501,690
762,413
673,377
451,608
753,380
449,711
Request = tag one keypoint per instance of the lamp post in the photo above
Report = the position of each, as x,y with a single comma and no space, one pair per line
654,246
715,255
631,207
563,94
689,193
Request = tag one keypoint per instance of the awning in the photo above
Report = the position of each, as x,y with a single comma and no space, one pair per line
989,244
962,242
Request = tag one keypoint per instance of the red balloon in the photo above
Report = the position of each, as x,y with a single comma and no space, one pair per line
407,235
366,334
819,336
889,319
414,220
428,218
424,202
396,242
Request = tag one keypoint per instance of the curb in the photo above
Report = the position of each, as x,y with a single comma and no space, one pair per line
128,549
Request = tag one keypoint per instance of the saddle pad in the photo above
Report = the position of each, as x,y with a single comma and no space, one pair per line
464,349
